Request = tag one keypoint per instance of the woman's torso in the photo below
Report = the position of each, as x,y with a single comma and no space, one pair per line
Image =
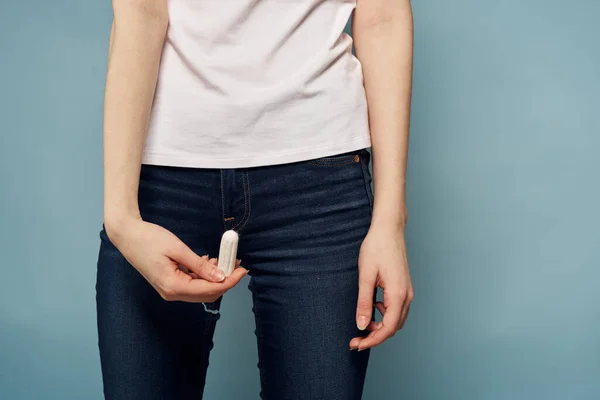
256,82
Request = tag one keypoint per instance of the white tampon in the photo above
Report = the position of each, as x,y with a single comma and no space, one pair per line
228,252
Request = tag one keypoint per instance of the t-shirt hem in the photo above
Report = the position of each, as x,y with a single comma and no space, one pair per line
204,161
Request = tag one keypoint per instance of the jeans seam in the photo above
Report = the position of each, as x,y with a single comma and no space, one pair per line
332,165
349,159
364,167
258,345
258,334
223,203
247,203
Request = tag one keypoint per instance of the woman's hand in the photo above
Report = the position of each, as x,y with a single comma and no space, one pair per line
382,263
171,267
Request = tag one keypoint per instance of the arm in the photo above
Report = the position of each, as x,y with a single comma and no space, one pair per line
136,40
383,36
137,37
383,31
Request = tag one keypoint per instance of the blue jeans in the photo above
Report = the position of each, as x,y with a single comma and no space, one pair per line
300,227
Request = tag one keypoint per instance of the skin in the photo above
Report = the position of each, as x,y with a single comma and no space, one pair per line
383,41
171,267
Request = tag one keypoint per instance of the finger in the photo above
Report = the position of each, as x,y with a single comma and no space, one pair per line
197,290
234,278
191,290
356,340
364,306
379,305
406,308
203,288
375,338
187,271
184,269
389,326
404,316
201,266
372,327
207,269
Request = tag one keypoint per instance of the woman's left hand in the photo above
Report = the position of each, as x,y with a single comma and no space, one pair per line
382,263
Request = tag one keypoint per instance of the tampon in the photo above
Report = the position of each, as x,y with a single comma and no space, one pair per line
228,252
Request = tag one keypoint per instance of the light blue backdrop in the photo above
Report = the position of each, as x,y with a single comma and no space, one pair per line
504,197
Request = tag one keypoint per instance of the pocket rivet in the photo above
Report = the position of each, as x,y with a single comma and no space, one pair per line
356,158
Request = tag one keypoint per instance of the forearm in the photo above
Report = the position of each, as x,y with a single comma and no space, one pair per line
136,41
383,37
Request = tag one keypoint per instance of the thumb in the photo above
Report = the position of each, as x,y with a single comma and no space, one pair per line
366,286
201,266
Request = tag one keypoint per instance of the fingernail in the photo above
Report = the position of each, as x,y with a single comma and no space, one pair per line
362,322
218,274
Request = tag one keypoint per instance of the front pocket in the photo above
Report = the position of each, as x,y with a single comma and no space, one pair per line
368,178
338,159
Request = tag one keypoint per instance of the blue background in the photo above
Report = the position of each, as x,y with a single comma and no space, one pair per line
503,198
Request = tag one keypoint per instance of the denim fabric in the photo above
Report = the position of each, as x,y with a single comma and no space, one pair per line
300,225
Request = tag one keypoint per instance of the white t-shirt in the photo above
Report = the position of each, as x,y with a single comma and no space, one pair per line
246,83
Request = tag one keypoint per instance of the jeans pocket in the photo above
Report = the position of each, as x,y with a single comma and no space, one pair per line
337,159
365,158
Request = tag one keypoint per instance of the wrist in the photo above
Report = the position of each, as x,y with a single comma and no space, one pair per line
115,222
392,220
388,225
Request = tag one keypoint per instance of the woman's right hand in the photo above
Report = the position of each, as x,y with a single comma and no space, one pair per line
158,254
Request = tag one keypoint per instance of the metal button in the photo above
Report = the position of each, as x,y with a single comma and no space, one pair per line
356,158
